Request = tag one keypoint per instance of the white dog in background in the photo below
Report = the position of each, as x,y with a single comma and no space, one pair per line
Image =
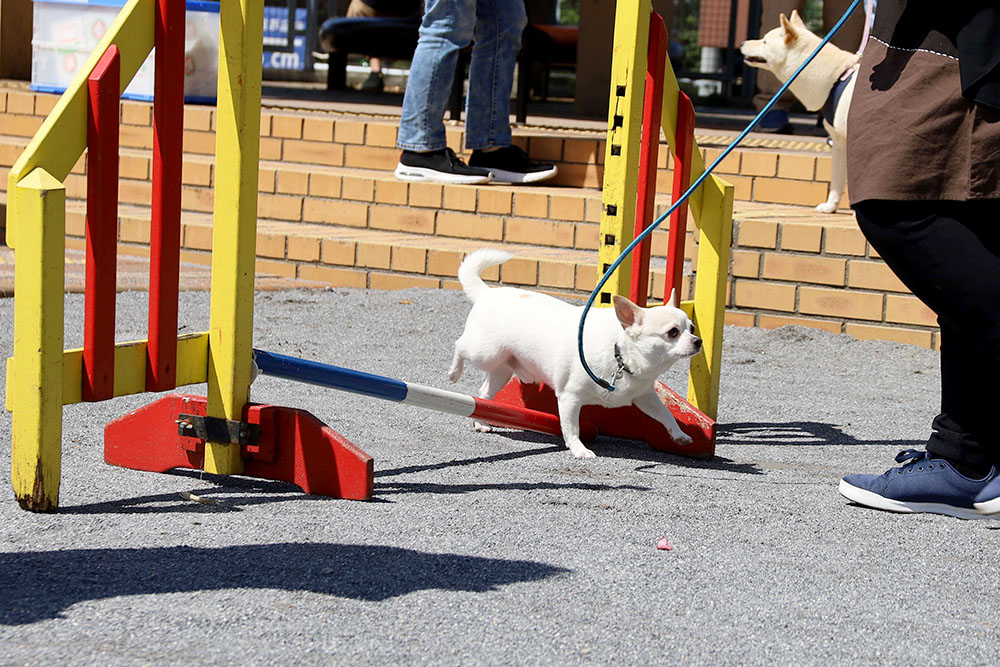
534,336
822,85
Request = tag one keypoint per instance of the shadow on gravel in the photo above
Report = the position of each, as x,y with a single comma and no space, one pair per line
476,460
40,585
429,487
383,487
230,494
796,434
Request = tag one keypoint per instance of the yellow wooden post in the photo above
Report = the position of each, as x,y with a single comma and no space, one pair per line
37,210
712,210
621,155
716,225
237,150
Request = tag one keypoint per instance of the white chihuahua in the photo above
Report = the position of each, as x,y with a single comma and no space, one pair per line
514,331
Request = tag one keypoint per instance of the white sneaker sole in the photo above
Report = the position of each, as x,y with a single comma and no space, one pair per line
501,176
869,499
988,507
419,174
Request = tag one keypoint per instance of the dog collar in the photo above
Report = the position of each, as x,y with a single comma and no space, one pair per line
622,368
830,108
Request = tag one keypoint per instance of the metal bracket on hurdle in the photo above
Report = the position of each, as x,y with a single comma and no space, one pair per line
216,429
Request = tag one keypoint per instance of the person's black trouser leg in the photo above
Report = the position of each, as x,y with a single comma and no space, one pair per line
948,254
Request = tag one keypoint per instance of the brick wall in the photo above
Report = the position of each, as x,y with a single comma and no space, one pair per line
824,276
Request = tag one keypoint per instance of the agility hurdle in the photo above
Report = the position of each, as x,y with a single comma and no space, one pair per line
645,98
219,433
635,121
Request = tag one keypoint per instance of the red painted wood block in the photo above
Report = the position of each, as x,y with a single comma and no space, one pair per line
294,447
628,422
103,94
656,57
165,223
682,180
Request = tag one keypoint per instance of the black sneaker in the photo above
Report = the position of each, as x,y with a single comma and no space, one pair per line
441,166
511,165
373,84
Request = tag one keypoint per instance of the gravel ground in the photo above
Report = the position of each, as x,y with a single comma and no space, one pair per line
500,548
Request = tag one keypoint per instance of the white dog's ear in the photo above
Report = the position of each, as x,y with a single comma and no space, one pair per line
673,299
629,314
796,20
790,34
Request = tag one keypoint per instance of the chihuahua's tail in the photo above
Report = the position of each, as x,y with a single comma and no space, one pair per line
476,263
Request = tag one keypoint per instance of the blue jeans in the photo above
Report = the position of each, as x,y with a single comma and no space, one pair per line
447,27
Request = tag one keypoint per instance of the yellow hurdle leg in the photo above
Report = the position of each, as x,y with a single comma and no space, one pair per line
710,293
233,240
37,209
621,157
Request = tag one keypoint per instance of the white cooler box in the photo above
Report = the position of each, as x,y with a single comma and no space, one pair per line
67,31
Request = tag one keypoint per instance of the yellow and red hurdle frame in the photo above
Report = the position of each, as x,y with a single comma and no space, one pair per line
221,433
639,55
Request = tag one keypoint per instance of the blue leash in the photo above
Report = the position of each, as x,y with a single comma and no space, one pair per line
694,186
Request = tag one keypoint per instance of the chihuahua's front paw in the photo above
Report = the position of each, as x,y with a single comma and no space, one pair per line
826,207
682,439
483,427
582,452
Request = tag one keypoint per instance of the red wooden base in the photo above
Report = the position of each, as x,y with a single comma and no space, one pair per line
628,422
294,447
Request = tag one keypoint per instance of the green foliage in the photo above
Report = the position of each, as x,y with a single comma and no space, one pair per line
813,15
569,12
685,31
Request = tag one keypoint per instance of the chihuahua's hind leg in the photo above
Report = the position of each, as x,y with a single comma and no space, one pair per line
457,366
494,382
569,421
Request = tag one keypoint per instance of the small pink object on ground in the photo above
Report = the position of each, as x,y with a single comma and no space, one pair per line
664,544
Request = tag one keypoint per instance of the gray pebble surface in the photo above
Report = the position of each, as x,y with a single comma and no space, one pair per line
501,548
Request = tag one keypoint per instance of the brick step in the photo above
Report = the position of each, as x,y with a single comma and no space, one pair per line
764,169
543,215
326,255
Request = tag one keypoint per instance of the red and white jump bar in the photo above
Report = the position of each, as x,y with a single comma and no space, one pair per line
377,386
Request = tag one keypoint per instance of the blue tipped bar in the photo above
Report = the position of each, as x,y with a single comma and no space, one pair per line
325,375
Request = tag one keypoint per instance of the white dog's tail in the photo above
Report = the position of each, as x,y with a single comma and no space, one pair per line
475,264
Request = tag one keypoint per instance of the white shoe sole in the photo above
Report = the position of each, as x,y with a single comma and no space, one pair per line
869,499
988,507
501,176
423,174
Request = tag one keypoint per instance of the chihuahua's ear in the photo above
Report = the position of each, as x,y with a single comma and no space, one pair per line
673,299
790,34
629,314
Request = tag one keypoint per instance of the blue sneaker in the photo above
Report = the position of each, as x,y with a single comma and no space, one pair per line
922,484
988,500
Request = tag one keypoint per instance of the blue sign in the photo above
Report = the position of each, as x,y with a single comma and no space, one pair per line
276,36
